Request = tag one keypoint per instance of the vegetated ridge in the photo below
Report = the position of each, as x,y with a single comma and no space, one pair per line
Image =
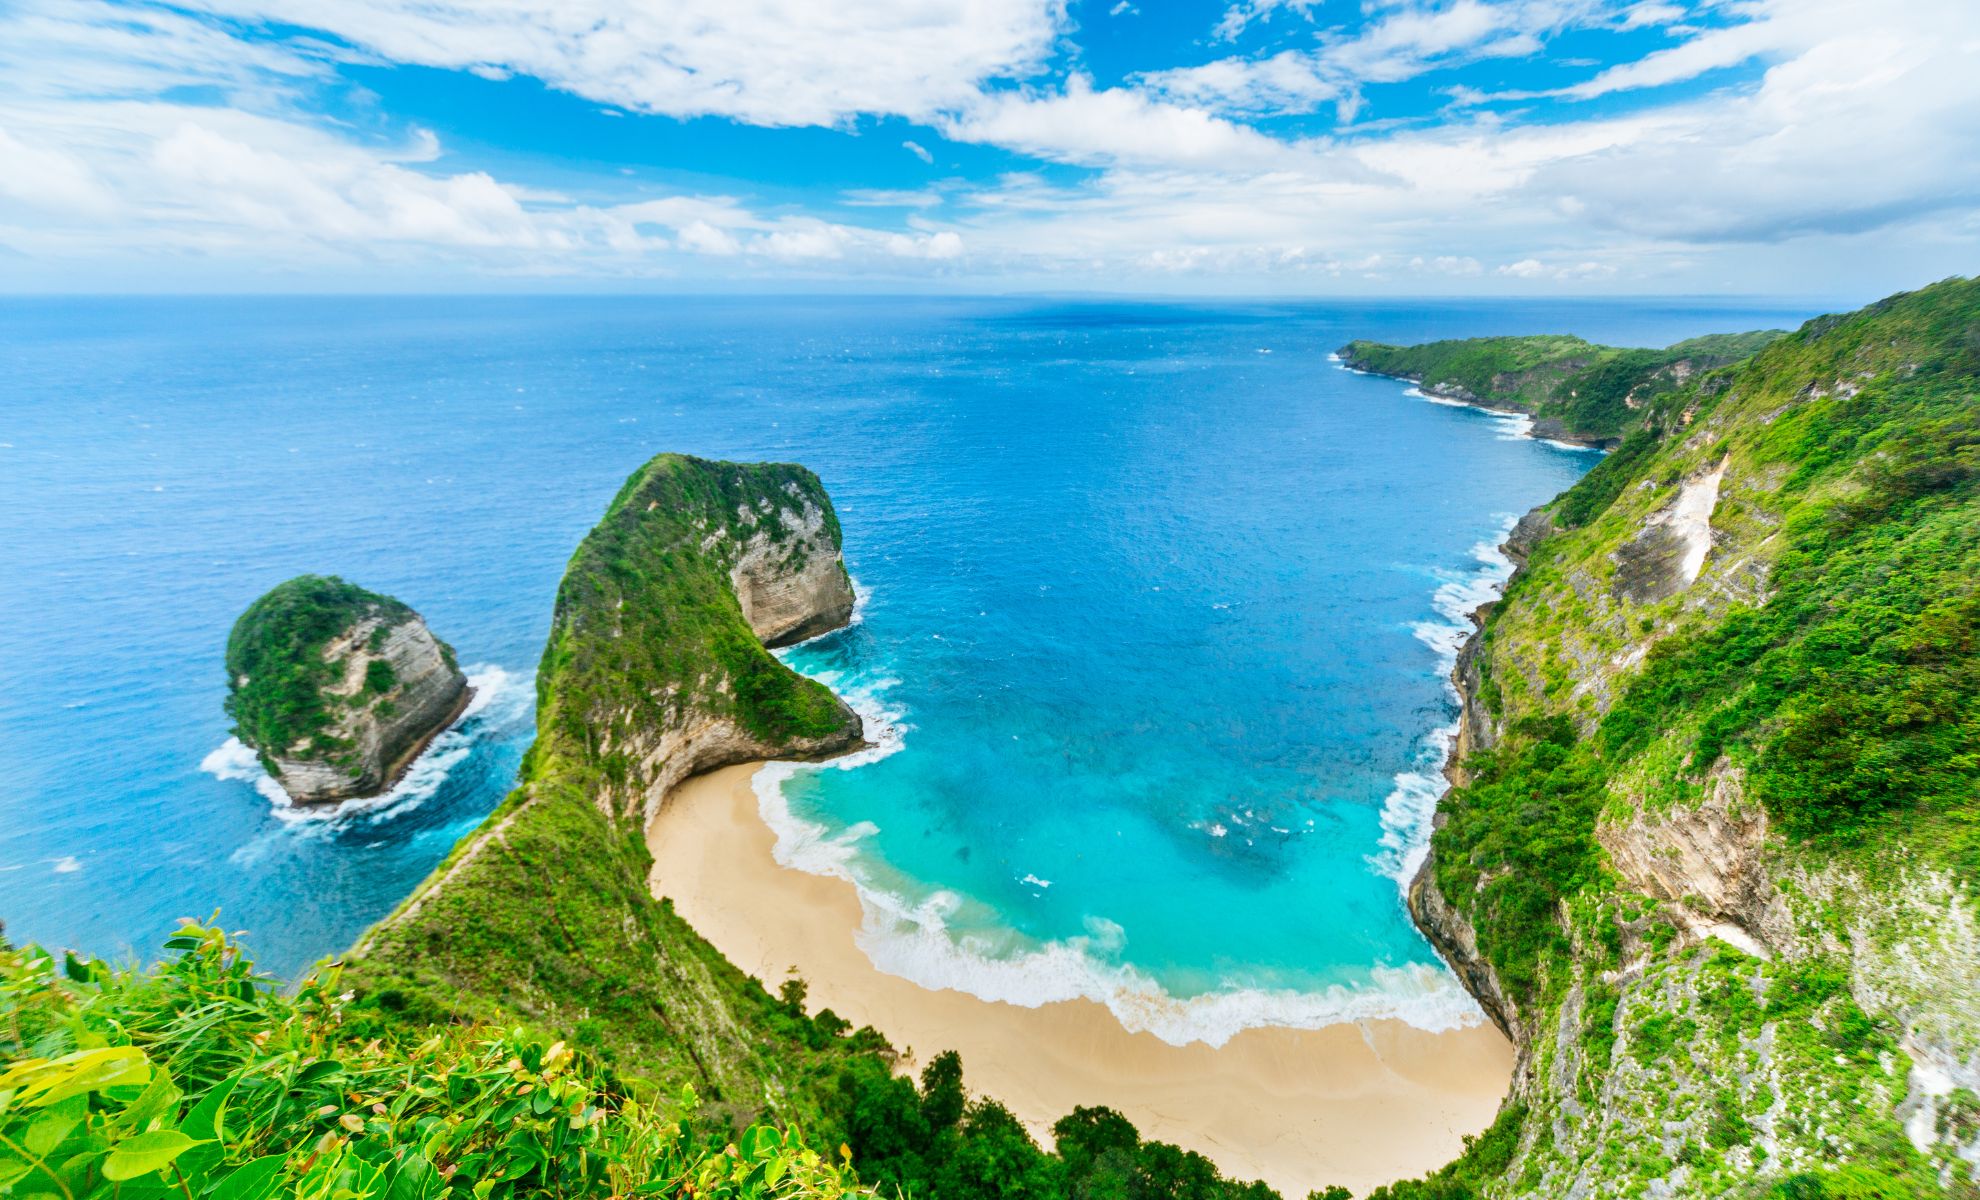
1712,850
337,689
1575,390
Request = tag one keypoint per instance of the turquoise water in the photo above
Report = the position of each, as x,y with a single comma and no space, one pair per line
1157,603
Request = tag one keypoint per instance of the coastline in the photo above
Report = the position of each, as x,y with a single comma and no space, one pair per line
1553,431
1356,1104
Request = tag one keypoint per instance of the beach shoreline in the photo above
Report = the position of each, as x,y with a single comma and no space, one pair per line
1355,1104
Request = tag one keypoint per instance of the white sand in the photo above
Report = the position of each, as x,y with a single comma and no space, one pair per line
1356,1104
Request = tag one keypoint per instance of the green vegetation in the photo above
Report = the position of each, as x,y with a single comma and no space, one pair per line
198,1079
1827,669
1577,388
276,673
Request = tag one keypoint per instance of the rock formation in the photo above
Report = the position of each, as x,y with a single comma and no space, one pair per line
338,689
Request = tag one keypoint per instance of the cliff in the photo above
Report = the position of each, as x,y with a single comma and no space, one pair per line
338,689
1575,390
1711,854
655,669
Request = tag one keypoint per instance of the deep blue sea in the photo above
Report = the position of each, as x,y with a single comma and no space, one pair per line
1157,602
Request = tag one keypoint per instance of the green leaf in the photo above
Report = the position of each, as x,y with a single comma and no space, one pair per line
316,1072
53,1125
145,1153
255,1181
207,1120
158,1097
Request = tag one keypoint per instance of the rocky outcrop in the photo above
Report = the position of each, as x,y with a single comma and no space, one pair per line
1454,938
1709,861
383,730
1667,554
794,589
338,689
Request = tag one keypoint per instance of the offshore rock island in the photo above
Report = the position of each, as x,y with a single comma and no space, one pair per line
337,689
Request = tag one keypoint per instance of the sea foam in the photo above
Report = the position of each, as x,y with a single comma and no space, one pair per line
944,940
1411,806
500,700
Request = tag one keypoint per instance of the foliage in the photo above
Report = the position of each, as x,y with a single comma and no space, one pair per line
1484,1161
197,1079
276,673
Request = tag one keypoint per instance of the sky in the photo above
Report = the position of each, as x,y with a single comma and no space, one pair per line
1259,147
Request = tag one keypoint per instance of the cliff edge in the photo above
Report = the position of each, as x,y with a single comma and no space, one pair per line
338,689
656,669
1709,856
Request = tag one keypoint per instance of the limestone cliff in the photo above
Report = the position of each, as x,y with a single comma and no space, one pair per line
655,669
1709,857
338,689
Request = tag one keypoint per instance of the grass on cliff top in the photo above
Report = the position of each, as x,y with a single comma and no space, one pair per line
647,624
276,674
545,911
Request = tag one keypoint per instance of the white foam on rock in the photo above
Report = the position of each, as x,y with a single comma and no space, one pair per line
1410,808
504,699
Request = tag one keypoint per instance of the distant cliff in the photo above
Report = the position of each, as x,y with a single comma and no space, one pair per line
337,689
655,669
1712,855
1575,390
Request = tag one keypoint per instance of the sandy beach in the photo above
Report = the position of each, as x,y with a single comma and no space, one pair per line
1356,1104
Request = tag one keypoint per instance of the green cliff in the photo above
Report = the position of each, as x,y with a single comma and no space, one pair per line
652,672
1712,853
1575,390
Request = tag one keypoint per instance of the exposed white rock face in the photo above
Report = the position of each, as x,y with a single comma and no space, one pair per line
792,584
388,730
1669,553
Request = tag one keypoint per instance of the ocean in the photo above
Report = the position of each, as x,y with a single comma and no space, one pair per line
1157,605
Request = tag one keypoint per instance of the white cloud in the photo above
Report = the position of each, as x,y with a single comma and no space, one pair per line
1858,150
1238,17
768,62
919,151
1652,13
1112,125
1405,41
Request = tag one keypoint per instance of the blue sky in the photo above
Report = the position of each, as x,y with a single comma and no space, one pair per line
1278,147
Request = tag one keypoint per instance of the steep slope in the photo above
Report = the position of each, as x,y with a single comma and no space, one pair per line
1575,389
336,688
655,669
1712,853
